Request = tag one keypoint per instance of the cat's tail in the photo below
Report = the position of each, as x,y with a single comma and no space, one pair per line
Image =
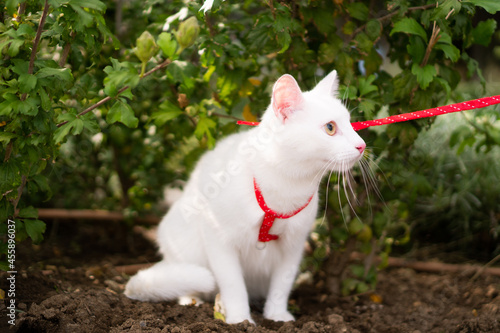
169,281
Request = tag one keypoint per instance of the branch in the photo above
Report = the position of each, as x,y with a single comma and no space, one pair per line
19,193
66,50
434,39
37,41
108,98
271,6
421,266
388,16
8,151
435,267
92,215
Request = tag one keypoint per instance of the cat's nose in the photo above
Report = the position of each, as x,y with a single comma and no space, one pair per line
361,148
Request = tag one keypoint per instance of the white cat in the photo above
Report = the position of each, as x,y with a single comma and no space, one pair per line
221,235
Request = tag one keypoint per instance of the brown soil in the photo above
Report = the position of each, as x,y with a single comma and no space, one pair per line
69,284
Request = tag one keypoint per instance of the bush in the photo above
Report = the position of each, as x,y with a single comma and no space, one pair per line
102,104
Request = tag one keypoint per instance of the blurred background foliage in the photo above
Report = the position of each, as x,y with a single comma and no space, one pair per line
433,183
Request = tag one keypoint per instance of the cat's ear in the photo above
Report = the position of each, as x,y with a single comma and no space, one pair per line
287,97
329,85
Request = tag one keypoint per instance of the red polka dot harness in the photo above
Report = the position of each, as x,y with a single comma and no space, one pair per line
270,215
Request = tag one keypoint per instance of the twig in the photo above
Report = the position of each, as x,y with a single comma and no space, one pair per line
482,269
434,39
64,54
131,269
435,267
108,98
271,6
388,16
432,42
37,42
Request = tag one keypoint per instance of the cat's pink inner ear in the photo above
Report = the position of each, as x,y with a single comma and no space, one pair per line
287,97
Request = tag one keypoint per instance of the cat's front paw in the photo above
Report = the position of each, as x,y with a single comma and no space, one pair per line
281,316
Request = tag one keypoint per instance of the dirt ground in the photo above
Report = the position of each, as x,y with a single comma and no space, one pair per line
69,284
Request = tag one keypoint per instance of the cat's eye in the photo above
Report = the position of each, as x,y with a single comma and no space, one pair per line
330,128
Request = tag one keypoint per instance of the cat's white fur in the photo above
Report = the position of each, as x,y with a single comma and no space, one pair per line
209,238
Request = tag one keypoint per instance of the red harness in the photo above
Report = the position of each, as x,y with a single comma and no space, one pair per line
270,215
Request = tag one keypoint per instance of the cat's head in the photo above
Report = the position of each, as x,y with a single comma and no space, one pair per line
313,129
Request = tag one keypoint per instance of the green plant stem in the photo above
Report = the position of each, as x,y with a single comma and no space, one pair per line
108,98
143,69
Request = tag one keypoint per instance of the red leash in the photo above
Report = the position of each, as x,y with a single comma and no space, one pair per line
469,105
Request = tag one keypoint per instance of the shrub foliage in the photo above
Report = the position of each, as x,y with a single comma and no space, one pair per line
103,103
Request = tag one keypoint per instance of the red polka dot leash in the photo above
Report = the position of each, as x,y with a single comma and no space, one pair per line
270,215
463,106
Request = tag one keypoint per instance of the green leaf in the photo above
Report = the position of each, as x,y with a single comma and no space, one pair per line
42,183
59,73
327,53
450,51
282,30
6,136
29,106
10,176
483,32
77,125
167,44
203,128
365,85
90,123
35,229
120,74
373,29
358,10
409,26
45,99
168,111
29,212
416,48
424,75
61,133
92,4
14,47
11,5
27,82
367,106
25,30
445,8
491,6
122,112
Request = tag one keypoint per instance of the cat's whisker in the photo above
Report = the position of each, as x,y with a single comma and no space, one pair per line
344,98
368,180
370,173
328,166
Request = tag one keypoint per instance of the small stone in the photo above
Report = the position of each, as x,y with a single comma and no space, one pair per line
335,319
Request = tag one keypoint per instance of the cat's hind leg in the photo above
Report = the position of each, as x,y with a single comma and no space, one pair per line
169,281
